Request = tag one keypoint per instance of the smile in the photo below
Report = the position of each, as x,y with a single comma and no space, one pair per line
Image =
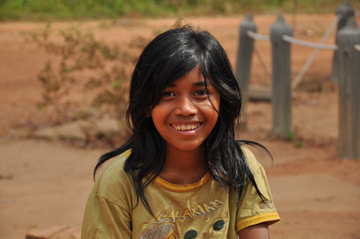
183,127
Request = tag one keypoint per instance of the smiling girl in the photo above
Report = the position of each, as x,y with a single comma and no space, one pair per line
181,174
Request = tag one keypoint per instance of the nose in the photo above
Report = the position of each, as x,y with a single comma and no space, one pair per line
185,107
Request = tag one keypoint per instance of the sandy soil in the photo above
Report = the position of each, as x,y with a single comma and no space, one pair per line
46,183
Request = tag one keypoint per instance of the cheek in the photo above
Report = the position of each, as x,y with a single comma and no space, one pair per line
215,109
159,116
215,104
211,113
215,117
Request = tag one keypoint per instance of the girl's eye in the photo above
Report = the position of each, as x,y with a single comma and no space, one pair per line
168,94
201,93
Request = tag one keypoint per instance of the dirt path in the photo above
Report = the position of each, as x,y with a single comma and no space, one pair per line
46,183
43,184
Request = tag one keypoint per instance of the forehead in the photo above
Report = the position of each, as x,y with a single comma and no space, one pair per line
193,78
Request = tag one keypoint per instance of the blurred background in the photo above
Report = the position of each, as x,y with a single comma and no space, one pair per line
64,74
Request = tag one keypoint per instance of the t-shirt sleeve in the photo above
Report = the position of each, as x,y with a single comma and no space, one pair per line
252,210
105,219
107,211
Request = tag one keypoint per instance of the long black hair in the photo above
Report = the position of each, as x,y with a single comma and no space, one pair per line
165,59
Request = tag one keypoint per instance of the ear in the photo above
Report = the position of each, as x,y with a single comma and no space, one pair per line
148,112
148,115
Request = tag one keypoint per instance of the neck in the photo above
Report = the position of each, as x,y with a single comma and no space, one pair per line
184,167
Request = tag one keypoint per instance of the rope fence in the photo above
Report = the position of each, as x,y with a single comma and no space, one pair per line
255,36
309,44
313,55
262,62
259,37
310,60
357,47
346,64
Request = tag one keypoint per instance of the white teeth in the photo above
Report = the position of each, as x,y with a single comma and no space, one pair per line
186,127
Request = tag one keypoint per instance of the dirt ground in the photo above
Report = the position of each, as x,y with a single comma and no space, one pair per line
45,183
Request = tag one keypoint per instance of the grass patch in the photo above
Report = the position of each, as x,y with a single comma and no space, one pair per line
292,137
81,9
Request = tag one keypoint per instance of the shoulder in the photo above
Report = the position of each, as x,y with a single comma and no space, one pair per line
113,178
251,160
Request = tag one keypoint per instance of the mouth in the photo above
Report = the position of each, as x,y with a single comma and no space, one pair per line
185,127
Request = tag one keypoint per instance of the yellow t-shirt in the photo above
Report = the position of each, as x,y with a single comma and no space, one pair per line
200,210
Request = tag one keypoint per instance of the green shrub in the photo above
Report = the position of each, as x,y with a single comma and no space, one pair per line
79,9
89,79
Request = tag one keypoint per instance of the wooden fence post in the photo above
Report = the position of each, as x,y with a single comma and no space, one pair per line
243,63
281,77
345,11
349,91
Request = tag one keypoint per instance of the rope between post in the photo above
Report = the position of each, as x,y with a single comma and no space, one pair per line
357,47
315,52
257,36
308,44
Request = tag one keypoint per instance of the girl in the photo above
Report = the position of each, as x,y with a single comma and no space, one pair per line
181,174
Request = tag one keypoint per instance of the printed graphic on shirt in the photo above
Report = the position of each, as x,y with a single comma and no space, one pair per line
191,234
219,224
159,231
198,210
165,228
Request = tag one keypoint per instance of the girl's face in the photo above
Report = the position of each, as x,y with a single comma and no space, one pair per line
184,116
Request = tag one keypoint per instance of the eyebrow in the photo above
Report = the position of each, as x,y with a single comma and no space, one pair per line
199,83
